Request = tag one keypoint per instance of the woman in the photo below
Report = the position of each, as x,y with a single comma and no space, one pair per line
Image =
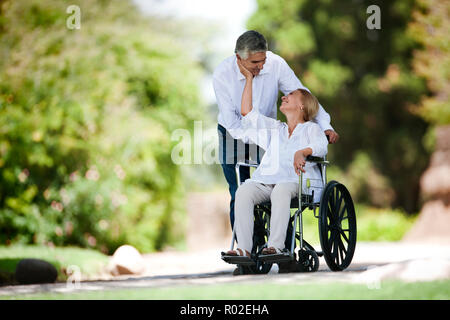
287,145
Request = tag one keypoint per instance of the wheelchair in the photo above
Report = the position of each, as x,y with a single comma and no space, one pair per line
337,230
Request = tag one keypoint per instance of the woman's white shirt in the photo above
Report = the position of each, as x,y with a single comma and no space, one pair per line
277,164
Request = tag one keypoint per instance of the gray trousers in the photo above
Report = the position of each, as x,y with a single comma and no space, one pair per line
251,193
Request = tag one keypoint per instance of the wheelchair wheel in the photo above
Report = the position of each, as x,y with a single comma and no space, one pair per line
261,267
308,261
337,226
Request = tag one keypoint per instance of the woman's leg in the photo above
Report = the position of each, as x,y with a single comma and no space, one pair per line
247,196
281,202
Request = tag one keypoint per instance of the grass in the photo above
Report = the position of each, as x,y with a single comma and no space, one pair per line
376,224
392,290
90,262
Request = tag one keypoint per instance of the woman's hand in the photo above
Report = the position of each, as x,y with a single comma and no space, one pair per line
247,74
299,162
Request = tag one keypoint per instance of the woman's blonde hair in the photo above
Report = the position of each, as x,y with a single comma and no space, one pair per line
310,104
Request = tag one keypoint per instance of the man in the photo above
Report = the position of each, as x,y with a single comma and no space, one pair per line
271,74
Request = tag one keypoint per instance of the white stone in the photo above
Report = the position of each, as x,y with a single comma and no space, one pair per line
127,260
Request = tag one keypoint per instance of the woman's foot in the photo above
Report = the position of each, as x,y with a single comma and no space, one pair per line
271,250
238,253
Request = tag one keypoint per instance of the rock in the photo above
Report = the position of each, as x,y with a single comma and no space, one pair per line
32,271
127,260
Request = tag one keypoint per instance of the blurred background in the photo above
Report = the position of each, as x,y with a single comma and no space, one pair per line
87,115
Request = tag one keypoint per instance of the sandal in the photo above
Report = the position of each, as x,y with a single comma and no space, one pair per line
238,256
238,253
271,250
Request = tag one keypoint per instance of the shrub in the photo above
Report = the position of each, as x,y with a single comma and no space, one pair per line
85,118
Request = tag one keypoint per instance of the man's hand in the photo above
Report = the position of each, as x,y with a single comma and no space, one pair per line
333,136
247,73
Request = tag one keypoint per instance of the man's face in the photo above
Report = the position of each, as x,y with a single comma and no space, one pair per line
255,62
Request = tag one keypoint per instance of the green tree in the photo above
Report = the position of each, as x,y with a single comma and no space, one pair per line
85,123
431,29
364,79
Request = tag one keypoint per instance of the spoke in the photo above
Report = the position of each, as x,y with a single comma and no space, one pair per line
338,202
342,246
336,247
342,213
341,251
331,201
333,216
336,195
345,237
330,214
331,239
334,251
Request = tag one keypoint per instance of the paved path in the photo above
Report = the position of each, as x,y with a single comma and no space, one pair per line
372,263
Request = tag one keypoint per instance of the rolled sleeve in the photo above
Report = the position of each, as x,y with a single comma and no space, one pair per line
258,128
317,141
323,119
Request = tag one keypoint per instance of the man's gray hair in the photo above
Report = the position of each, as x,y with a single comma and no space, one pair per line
250,42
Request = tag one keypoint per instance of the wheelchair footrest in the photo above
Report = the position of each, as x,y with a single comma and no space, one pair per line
245,261
276,258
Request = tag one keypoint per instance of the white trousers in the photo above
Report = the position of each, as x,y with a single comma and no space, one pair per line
251,193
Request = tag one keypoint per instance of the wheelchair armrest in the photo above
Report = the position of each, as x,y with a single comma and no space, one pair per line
317,160
247,163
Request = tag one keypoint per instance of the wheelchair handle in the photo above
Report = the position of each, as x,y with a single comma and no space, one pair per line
318,160
246,163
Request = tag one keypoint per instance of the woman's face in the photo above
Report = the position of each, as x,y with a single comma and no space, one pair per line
291,102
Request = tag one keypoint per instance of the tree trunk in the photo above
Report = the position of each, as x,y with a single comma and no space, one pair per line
433,223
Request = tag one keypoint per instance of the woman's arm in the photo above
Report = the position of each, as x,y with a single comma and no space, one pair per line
256,127
246,102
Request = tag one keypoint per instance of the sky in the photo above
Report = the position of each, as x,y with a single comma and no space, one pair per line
230,14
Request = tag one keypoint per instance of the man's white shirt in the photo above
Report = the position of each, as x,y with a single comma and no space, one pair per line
276,75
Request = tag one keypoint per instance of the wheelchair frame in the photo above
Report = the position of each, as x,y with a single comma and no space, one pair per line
330,230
